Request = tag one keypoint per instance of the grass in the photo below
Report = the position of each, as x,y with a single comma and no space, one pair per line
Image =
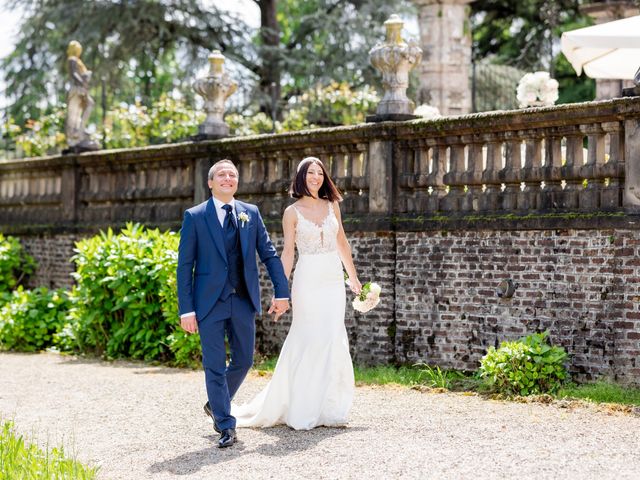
19,459
602,392
409,376
424,375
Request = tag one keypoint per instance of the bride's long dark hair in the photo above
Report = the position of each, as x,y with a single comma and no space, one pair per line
328,189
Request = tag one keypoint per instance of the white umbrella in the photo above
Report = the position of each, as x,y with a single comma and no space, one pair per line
609,50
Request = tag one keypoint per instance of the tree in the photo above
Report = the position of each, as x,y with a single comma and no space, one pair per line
525,35
146,47
126,43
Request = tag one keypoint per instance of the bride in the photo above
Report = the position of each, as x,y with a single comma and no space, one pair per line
312,384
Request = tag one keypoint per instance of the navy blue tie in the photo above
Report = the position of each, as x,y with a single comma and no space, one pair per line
229,220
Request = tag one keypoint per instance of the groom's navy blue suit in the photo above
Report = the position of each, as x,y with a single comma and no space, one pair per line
218,280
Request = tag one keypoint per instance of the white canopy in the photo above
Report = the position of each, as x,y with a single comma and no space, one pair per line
609,50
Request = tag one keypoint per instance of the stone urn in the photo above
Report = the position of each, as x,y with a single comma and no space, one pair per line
215,88
395,58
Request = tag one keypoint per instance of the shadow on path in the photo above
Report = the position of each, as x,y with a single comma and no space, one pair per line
287,441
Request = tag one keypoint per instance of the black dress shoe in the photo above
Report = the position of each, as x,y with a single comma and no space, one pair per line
227,438
207,410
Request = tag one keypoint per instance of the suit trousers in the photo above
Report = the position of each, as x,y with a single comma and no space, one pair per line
233,318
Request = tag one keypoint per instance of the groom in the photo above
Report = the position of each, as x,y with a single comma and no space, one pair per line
218,288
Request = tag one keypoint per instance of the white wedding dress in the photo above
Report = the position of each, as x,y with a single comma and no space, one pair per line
313,383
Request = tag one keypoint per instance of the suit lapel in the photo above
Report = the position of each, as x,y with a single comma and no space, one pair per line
243,227
215,229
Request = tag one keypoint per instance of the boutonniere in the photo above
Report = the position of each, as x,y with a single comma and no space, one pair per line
243,217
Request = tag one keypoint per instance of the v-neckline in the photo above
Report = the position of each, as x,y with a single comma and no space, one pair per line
311,221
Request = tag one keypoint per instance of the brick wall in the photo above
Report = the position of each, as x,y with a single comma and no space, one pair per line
439,302
582,285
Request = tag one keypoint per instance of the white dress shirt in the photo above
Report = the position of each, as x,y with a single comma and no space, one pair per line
222,212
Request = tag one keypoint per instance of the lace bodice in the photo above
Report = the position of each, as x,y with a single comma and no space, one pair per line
312,238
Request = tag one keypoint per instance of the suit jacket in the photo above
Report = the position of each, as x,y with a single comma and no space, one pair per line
202,258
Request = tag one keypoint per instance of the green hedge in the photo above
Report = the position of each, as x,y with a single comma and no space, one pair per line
527,366
31,320
124,303
16,265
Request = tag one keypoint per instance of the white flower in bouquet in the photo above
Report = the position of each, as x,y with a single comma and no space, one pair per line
427,111
537,89
368,299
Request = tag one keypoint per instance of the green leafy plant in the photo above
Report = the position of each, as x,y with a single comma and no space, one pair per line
337,104
15,264
185,347
20,459
117,307
167,120
526,366
30,320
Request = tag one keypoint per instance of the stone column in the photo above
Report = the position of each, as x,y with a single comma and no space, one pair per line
603,12
445,38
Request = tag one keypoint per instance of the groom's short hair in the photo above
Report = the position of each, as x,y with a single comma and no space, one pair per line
215,166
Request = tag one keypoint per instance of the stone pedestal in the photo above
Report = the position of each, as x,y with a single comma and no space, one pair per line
445,38
215,88
603,12
394,59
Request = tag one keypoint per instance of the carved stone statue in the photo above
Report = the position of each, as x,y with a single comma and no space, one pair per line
79,102
395,59
215,88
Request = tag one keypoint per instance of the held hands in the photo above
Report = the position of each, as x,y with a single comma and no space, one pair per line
278,307
189,323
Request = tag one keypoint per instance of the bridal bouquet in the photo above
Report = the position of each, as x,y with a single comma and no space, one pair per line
369,297
537,90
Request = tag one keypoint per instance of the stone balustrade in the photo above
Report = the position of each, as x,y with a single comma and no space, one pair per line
556,159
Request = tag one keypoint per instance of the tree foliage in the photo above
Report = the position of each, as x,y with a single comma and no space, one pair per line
525,35
133,46
145,48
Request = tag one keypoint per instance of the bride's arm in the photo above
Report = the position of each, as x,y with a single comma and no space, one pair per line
289,229
344,251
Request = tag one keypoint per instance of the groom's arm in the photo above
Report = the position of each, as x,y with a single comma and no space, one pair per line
186,260
269,256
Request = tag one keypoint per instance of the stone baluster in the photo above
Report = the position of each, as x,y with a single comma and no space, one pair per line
529,196
570,171
490,199
613,169
472,177
631,198
358,179
454,177
589,198
435,178
551,175
510,174
415,176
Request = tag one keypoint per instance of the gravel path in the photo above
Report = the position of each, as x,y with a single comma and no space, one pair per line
137,422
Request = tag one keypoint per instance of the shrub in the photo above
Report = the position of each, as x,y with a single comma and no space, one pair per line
15,265
527,366
44,136
184,346
117,305
32,318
